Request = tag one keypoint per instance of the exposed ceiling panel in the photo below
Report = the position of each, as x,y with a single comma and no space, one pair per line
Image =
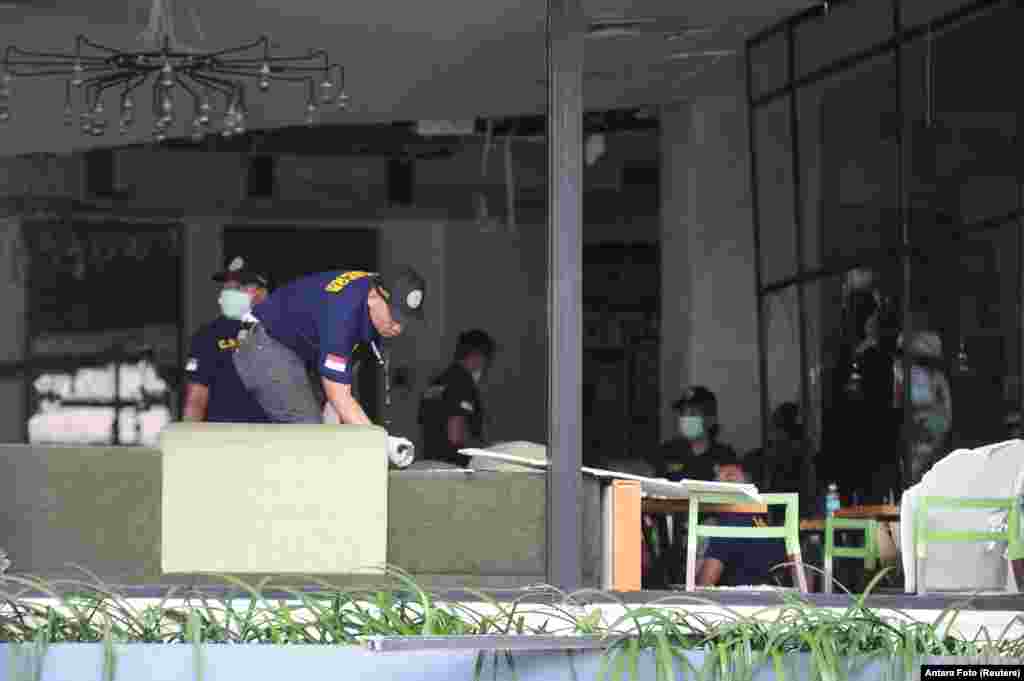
406,60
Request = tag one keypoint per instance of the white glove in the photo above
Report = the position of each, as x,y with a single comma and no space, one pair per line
401,452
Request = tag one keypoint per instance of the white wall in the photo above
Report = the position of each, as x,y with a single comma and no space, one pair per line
497,281
12,341
709,327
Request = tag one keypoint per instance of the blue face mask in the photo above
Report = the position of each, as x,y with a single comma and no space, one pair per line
234,304
691,427
920,386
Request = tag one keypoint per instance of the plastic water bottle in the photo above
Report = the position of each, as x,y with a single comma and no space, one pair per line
832,499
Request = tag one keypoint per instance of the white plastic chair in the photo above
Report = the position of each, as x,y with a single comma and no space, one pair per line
994,471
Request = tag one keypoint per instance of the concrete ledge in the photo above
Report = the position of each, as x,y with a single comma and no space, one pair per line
101,507
274,498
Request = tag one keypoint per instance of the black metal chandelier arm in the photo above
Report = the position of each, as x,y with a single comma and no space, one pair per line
227,89
51,64
274,69
103,82
155,102
272,76
66,58
139,80
196,98
94,91
309,56
82,40
263,40
157,54
221,82
186,87
34,74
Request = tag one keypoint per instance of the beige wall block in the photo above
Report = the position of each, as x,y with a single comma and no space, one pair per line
275,498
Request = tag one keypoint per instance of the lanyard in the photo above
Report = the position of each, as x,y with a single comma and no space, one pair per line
385,363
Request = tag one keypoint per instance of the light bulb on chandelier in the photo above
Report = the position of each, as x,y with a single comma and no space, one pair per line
173,71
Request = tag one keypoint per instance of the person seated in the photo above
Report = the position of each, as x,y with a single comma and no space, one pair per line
629,465
694,454
740,562
787,462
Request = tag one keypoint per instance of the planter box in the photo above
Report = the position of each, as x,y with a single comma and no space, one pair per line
175,662
302,499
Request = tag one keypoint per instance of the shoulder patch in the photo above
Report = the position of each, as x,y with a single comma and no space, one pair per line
336,362
338,284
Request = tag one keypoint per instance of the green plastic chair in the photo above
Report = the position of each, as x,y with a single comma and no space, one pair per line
789,532
869,552
924,534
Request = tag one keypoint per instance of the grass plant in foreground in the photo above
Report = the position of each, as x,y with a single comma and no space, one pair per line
734,645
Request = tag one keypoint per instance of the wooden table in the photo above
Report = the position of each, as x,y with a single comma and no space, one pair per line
652,504
623,503
882,512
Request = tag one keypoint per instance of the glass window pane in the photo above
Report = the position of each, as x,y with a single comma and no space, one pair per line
811,200
846,29
782,347
852,326
966,319
963,165
769,64
775,191
850,158
793,452
814,293
916,12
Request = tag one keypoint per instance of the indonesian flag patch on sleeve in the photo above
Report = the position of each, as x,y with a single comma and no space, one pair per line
335,363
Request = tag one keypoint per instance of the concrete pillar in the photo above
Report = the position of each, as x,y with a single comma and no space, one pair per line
13,273
709,328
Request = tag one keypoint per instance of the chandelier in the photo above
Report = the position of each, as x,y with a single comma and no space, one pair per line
198,89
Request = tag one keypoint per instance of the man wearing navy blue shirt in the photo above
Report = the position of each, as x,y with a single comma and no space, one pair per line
451,411
735,561
213,390
317,322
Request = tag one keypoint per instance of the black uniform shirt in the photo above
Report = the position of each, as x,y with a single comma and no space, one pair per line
453,393
209,364
676,461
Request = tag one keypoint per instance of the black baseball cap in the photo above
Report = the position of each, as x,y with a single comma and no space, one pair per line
239,269
700,397
405,290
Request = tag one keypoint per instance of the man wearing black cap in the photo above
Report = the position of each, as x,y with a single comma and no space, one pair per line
451,411
694,454
318,321
213,391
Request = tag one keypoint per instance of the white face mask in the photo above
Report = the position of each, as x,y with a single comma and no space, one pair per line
234,304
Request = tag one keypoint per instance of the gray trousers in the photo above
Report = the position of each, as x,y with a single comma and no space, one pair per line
277,378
